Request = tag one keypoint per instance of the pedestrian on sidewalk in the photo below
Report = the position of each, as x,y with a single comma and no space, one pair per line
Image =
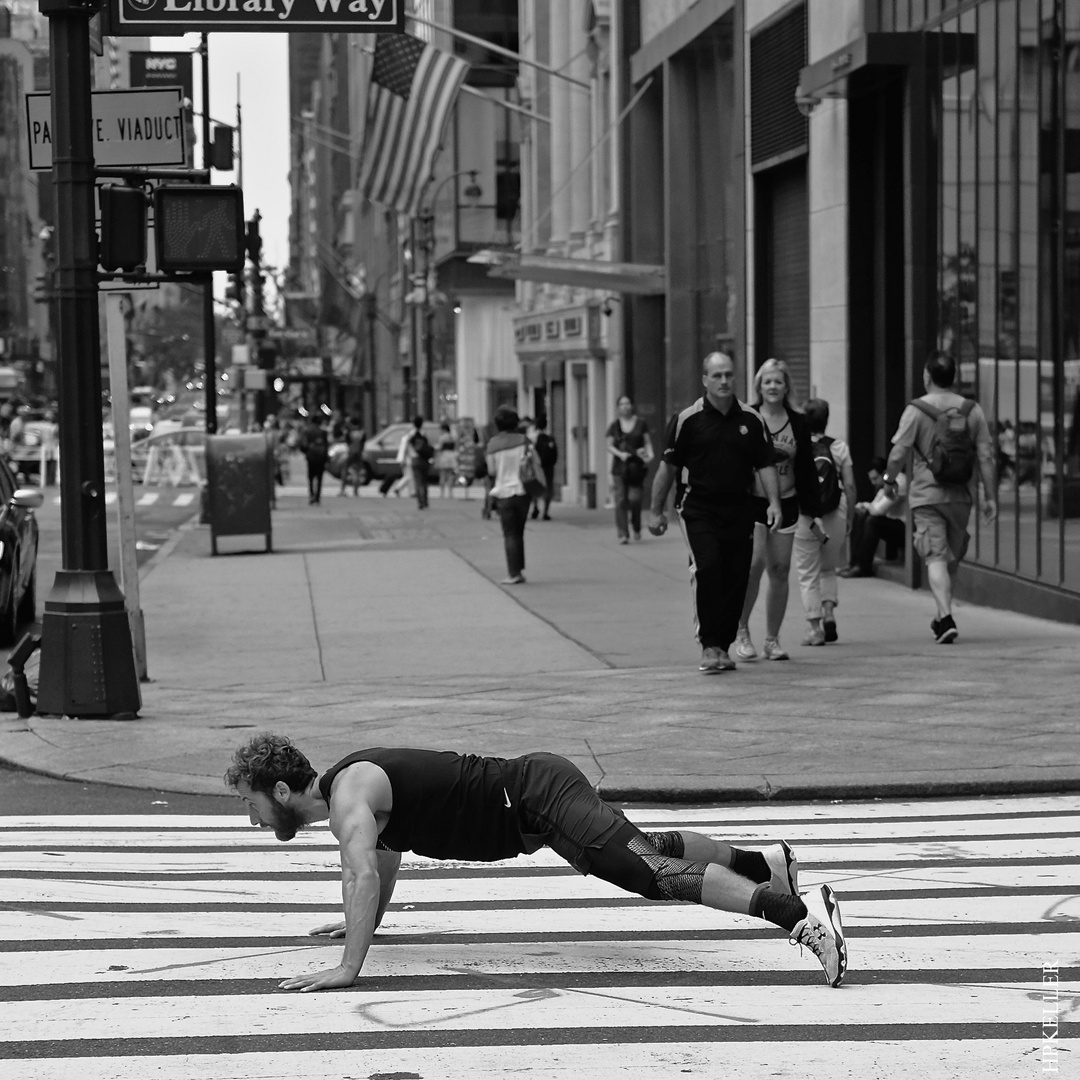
446,461
442,805
794,456
947,439
880,519
504,453
470,456
712,452
818,554
631,450
315,446
416,455
353,436
547,450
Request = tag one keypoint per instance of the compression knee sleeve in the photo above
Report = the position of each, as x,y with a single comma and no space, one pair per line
667,843
672,878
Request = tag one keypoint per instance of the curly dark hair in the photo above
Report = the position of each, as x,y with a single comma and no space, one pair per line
265,759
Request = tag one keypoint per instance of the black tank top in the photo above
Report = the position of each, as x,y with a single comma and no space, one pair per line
446,805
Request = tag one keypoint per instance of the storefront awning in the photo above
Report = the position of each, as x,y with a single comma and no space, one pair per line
637,278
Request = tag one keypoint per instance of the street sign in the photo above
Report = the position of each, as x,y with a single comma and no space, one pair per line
291,333
130,127
140,18
155,69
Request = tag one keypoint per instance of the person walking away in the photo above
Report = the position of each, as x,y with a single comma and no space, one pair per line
798,494
547,450
470,459
315,446
712,452
504,453
880,519
948,441
630,447
418,453
352,470
446,461
818,554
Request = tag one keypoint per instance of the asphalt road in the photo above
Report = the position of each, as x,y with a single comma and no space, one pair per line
158,513
30,794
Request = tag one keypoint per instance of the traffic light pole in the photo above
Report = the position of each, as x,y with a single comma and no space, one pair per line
87,664
209,331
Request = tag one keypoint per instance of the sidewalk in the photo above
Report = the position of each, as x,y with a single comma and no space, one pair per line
373,623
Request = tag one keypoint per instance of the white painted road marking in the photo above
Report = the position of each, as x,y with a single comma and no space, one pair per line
171,933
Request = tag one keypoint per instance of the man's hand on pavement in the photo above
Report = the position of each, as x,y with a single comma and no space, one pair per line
330,979
773,517
330,929
658,523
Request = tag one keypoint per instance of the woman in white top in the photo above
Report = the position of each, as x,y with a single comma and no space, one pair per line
504,453
818,554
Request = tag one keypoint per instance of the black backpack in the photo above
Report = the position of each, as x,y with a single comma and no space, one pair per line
547,450
828,474
421,447
951,459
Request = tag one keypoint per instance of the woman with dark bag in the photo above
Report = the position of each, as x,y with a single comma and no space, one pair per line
631,450
799,493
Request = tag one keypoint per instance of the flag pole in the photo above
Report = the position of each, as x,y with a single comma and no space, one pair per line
492,47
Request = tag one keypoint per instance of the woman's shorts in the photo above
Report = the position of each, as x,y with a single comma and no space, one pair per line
789,512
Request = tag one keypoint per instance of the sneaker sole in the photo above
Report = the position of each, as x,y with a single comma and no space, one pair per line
832,910
786,878
947,637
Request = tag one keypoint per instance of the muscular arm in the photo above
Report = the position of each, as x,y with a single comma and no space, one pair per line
352,821
389,862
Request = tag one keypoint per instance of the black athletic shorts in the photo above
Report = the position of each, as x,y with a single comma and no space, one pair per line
559,808
789,510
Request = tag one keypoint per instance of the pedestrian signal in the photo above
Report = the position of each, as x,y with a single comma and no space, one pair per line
199,227
123,227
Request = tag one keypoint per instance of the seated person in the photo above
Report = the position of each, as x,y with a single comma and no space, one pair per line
880,519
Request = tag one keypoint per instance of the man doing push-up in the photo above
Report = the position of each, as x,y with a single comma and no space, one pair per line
381,802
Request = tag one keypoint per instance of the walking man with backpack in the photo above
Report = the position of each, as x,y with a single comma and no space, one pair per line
949,443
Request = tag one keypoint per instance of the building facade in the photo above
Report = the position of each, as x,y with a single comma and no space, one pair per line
848,186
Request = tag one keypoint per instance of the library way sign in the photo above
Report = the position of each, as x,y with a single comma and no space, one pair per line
139,18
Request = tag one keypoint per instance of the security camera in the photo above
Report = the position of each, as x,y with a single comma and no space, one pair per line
806,103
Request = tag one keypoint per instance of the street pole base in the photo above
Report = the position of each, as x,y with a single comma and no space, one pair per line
87,662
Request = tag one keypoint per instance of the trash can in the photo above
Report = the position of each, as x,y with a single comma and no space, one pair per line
238,486
589,480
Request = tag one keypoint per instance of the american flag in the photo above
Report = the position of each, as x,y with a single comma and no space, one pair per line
413,88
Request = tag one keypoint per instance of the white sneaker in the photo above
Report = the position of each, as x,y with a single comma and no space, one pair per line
784,867
824,937
744,647
773,649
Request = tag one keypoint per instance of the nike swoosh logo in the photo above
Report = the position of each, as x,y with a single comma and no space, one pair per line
507,798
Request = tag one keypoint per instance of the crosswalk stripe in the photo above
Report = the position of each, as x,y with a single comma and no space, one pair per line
157,942
636,1060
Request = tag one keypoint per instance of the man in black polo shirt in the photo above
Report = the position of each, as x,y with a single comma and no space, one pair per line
712,450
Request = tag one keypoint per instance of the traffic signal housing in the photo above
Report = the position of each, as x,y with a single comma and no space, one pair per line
235,289
123,227
199,228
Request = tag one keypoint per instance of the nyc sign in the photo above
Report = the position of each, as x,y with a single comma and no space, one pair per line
139,18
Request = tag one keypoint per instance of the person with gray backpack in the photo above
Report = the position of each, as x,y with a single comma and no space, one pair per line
948,441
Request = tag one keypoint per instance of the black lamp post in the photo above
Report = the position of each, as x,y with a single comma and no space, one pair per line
87,663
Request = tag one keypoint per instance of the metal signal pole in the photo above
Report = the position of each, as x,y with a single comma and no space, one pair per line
87,664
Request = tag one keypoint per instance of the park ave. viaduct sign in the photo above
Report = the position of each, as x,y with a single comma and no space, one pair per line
138,18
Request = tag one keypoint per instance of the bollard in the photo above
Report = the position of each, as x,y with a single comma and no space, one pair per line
589,480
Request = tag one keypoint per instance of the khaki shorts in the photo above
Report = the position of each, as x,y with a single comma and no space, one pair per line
941,532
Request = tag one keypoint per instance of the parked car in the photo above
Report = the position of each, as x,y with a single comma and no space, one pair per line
18,554
380,452
179,454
